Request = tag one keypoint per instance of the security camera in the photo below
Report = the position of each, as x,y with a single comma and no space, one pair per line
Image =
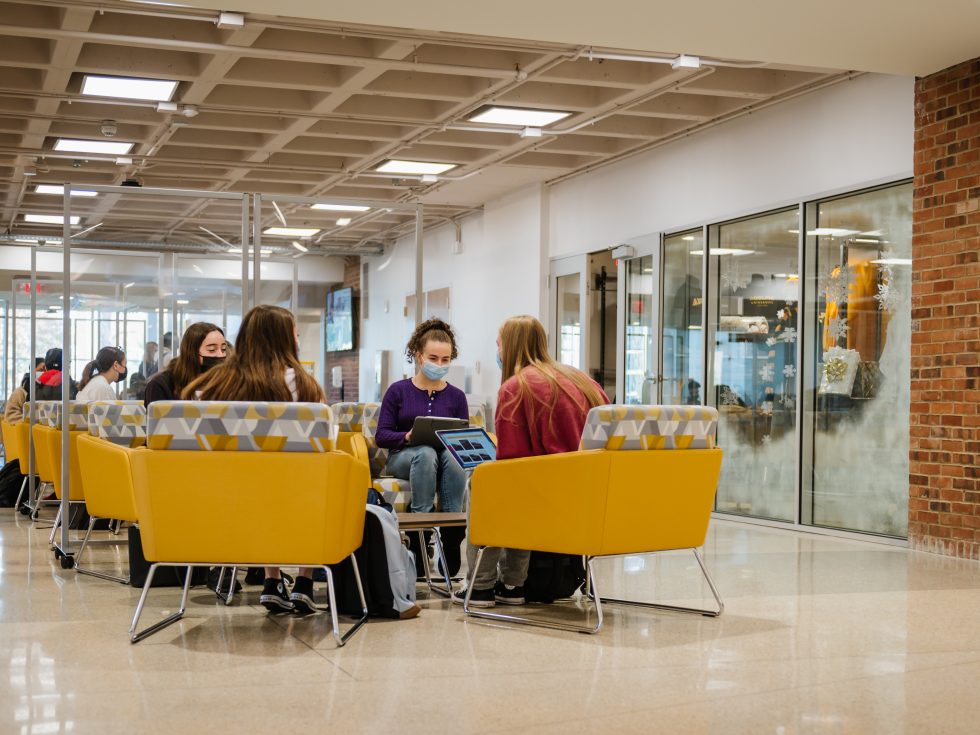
108,128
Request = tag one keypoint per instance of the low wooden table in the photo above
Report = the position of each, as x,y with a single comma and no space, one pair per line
422,522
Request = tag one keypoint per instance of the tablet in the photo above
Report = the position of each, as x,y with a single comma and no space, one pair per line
469,447
425,427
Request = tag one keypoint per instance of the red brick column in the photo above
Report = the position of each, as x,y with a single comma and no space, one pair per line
944,476
349,361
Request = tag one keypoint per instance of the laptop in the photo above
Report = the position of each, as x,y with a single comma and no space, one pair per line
470,447
425,427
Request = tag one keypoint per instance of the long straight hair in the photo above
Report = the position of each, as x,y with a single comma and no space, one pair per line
524,347
185,368
264,349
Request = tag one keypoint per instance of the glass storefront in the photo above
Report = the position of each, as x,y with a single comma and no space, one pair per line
857,361
807,362
754,306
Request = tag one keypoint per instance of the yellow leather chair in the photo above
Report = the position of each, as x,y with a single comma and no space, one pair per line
643,481
20,435
203,486
105,468
44,464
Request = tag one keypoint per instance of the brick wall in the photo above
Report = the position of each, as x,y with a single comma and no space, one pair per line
348,361
944,482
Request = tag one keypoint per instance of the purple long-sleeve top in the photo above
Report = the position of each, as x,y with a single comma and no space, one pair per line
403,402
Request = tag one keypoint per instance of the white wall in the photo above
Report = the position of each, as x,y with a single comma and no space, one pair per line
501,271
842,137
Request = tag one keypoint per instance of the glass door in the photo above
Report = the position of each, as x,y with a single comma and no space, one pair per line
641,371
682,335
569,334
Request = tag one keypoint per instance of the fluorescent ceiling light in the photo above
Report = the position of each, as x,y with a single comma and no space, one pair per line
183,302
830,232
129,88
50,219
238,251
341,207
299,246
60,190
290,231
893,261
343,222
72,145
793,232
519,116
39,239
687,238
396,166
724,251
868,240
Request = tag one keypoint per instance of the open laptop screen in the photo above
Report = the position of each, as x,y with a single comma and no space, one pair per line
469,447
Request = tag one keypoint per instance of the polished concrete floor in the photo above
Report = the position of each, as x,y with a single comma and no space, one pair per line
820,635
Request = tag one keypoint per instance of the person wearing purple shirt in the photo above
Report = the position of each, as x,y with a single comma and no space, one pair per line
432,347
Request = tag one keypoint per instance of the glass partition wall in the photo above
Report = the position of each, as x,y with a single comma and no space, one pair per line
801,341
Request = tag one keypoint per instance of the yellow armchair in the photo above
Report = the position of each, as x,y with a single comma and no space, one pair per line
605,501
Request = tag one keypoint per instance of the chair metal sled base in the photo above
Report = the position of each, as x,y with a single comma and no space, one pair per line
93,572
591,593
137,635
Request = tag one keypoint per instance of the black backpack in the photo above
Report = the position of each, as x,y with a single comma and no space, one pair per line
551,577
10,483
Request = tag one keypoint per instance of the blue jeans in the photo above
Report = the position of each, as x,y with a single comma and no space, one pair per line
426,470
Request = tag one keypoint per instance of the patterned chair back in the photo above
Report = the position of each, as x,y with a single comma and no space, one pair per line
349,416
27,411
377,457
618,427
49,414
120,422
242,426
478,415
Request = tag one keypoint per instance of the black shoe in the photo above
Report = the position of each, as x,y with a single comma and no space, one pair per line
479,598
507,595
275,596
214,573
255,575
452,539
302,596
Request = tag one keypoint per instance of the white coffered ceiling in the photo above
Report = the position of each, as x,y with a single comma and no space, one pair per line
311,107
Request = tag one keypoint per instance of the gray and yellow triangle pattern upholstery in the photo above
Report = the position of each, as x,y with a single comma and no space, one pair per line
240,426
120,422
395,491
348,416
478,415
621,427
49,414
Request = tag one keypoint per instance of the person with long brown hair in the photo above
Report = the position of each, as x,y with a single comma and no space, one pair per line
541,409
265,367
201,348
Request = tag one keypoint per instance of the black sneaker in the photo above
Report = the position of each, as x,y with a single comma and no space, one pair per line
507,595
255,575
275,596
302,596
479,598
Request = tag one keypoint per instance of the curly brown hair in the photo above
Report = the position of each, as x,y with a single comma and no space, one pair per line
431,329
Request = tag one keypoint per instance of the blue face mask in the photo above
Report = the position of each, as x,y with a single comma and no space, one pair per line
500,363
433,371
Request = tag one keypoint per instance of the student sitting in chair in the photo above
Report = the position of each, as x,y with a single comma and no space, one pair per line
432,348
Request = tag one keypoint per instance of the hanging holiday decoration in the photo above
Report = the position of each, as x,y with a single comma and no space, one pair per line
888,297
837,328
789,371
767,372
788,334
733,279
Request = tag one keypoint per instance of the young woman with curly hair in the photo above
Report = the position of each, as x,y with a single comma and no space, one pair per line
431,348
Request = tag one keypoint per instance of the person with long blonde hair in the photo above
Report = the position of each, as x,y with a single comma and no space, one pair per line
541,409
264,366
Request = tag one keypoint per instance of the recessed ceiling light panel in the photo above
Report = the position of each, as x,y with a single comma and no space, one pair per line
49,219
59,190
74,145
416,168
340,207
290,231
519,116
129,88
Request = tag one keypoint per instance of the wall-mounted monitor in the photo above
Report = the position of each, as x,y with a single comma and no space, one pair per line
340,320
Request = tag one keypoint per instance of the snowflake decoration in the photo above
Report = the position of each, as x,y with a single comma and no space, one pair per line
789,371
837,329
834,283
767,372
788,335
728,398
734,280
766,439
766,408
888,297
771,341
